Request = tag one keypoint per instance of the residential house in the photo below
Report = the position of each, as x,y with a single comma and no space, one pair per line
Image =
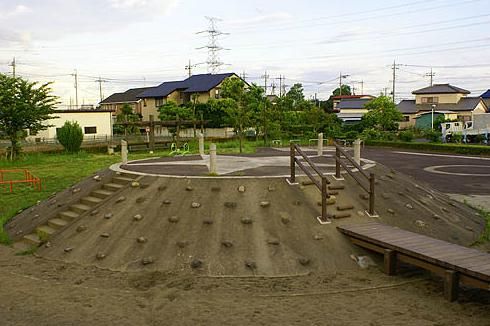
337,99
116,101
351,109
445,99
486,99
204,86
94,124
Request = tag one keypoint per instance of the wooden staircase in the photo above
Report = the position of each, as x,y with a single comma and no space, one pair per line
44,231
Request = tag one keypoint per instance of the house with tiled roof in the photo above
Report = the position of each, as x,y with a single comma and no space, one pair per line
116,101
204,86
351,109
486,98
445,99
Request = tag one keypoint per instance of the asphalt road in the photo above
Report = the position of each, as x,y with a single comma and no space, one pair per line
456,174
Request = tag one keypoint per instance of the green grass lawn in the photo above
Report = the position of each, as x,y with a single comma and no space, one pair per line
59,171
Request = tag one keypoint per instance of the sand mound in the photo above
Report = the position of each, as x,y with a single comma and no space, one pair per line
246,226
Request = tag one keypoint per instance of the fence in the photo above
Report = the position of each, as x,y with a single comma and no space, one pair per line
322,186
28,178
339,152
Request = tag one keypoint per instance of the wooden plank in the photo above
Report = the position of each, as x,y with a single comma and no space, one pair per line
421,249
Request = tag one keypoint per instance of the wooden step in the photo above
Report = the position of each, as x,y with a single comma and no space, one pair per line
101,193
122,180
345,207
32,239
57,223
80,208
90,201
336,187
46,230
112,186
68,215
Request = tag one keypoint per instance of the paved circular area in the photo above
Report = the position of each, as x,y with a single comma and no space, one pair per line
449,173
460,170
267,162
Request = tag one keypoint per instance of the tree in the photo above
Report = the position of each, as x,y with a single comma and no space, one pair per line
23,105
70,136
382,114
170,111
235,104
328,105
125,118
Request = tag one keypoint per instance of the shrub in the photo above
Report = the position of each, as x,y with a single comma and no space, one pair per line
433,135
406,135
70,136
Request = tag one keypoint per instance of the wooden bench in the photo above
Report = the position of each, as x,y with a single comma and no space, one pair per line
456,264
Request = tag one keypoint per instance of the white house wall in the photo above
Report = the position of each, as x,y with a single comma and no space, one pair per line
101,120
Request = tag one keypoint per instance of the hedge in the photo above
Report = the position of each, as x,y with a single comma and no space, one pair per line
448,148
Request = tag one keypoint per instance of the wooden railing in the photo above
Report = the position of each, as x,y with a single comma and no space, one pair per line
339,152
322,186
28,178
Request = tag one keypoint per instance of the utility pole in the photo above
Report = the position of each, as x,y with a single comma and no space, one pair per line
386,91
273,87
189,68
340,82
100,81
244,76
13,64
395,68
75,74
431,75
280,85
266,77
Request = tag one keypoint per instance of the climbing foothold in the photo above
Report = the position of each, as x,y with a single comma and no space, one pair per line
173,219
69,249
141,240
100,256
227,243
285,220
391,211
195,205
250,264
273,242
166,202
140,200
162,187
246,220
94,212
182,244
147,260
304,261
241,188
120,199
229,204
135,184
105,235
81,228
208,221
196,263
108,216
189,188
138,217
265,203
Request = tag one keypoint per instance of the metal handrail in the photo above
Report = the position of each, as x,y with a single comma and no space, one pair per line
28,178
321,186
339,152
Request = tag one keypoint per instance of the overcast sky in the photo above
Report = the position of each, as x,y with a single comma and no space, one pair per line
136,43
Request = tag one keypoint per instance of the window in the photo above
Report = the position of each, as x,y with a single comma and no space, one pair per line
217,93
90,130
430,100
144,102
159,101
406,118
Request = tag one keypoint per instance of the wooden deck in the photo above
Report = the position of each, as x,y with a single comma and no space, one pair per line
456,264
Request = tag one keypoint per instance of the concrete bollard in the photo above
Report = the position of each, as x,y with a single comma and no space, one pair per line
124,151
212,159
320,144
357,151
201,143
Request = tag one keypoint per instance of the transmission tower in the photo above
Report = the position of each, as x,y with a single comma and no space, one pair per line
213,47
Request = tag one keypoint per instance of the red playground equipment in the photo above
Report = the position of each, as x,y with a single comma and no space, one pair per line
28,178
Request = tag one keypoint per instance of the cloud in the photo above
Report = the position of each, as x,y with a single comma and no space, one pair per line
51,19
268,18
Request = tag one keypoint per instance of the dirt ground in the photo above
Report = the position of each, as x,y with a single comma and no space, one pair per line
37,291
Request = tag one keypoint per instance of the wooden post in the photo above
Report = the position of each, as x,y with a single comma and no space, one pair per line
292,179
320,144
177,132
152,133
389,262
451,285
337,163
371,194
212,159
324,199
